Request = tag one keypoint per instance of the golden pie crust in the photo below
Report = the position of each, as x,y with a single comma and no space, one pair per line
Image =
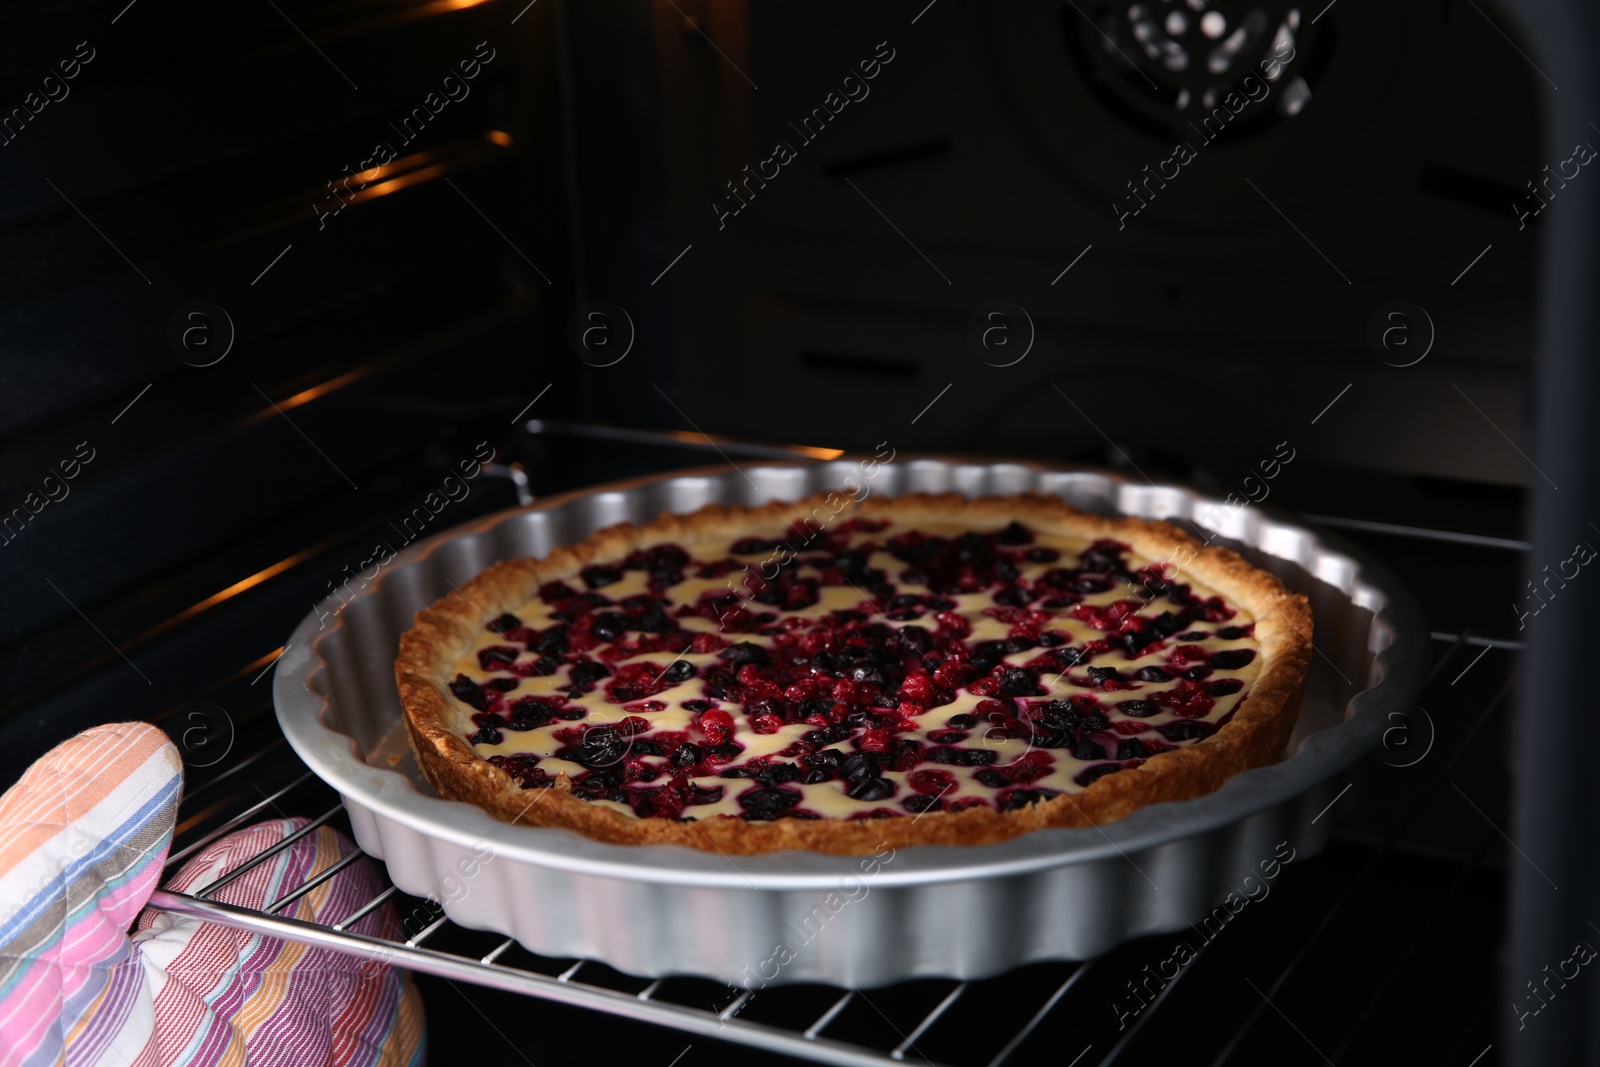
1257,733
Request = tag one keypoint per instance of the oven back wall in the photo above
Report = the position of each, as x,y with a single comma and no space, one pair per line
991,156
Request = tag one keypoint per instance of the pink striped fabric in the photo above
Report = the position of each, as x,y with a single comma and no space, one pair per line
224,996
83,839
83,836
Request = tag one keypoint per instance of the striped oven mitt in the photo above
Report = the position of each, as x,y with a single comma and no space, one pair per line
83,839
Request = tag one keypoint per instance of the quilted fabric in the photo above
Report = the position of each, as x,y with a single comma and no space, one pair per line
83,839
225,996
83,836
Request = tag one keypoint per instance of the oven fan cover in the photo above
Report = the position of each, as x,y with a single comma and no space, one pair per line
1099,92
1160,64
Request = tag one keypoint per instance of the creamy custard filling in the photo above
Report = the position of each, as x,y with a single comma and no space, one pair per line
871,669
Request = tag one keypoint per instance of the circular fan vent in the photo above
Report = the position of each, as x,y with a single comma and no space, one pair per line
1162,64
1099,96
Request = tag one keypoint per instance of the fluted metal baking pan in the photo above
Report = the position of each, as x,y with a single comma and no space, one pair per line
793,916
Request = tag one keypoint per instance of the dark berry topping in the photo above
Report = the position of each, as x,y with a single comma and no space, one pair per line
746,653
842,695
664,563
609,625
551,642
1089,775
1020,682
860,766
1013,597
1186,730
777,773
524,768
829,759
1021,798
768,802
1015,534
871,789
1131,748
584,676
530,713
1088,750
469,692
1102,675
596,576
602,746
496,657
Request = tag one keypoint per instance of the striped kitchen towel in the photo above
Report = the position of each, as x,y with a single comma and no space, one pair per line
83,836
225,997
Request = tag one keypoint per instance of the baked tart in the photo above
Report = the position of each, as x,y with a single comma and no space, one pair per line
838,675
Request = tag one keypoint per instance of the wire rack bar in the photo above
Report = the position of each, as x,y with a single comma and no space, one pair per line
1471,1020
816,1028
278,905
237,821
427,931
724,1024
1149,1011
1422,533
1479,642
899,1051
1038,1016
499,950
373,905
733,1009
698,442
1363,875
1397,967
515,980
1459,641
267,853
190,792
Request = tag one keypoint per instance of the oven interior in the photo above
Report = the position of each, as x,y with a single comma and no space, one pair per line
379,321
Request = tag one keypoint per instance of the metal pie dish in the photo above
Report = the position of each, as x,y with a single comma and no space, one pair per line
958,912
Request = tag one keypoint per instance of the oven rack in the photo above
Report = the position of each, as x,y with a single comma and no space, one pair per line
796,1021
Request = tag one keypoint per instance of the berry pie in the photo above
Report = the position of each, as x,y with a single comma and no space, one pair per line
836,675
